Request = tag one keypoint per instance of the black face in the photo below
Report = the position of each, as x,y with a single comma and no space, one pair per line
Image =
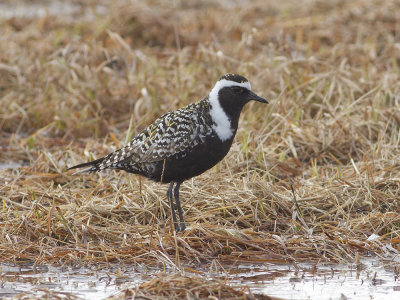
233,98
234,95
238,96
242,94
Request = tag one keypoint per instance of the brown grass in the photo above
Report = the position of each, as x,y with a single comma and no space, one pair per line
75,88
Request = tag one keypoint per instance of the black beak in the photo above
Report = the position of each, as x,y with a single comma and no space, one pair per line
253,96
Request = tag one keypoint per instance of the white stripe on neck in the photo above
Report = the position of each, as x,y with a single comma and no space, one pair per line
220,118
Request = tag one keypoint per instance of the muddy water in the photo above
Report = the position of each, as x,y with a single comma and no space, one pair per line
305,281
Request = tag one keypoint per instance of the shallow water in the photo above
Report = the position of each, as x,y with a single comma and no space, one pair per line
24,9
85,283
373,281
9,165
39,9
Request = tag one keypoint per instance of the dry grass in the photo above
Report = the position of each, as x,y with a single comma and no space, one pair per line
74,88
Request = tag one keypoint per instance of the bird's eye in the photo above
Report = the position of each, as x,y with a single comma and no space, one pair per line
237,89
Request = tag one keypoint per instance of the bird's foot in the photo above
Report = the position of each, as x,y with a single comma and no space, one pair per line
181,229
176,227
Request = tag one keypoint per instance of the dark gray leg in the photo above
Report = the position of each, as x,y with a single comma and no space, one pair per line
178,203
171,203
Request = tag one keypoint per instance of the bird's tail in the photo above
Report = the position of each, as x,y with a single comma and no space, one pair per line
114,160
92,166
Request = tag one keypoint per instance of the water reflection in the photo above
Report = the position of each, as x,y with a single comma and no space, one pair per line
372,280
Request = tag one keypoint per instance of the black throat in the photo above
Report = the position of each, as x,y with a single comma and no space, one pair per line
232,106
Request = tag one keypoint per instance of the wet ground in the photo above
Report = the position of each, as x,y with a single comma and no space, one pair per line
303,281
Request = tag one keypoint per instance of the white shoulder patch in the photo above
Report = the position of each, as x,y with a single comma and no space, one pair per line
220,118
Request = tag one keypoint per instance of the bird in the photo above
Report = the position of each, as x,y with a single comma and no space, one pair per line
184,143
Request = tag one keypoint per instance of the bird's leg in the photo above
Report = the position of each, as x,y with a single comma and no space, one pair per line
178,203
171,203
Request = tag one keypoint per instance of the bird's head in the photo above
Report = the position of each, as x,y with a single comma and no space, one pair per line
227,98
233,90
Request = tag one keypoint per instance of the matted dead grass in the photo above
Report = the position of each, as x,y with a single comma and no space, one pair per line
73,88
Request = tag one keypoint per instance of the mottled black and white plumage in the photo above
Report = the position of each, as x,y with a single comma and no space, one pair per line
184,143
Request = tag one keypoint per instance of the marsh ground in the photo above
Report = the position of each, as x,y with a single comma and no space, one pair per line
77,80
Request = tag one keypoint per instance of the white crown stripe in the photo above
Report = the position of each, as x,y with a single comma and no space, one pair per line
223,124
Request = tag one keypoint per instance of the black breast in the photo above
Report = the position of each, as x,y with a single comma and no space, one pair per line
189,163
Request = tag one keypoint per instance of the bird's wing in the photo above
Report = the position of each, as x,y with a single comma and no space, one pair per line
171,133
175,132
